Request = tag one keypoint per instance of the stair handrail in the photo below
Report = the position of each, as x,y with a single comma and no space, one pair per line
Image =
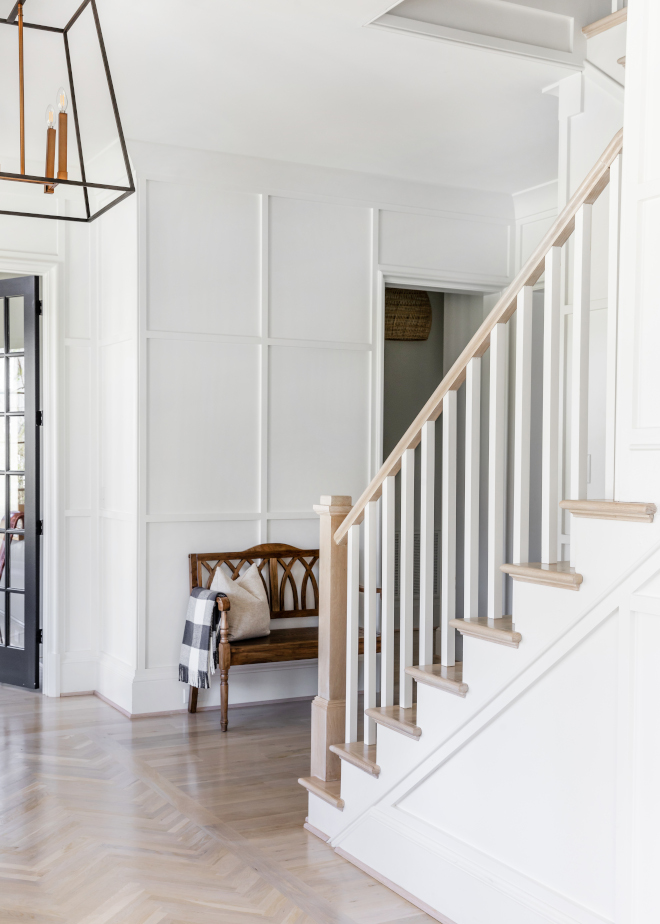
586,194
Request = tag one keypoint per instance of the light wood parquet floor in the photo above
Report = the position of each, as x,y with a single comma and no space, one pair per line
164,820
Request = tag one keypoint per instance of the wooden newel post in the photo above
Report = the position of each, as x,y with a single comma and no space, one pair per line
329,707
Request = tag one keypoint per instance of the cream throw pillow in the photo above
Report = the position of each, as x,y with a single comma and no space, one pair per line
249,613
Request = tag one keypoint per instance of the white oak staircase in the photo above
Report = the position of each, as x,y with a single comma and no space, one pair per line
357,551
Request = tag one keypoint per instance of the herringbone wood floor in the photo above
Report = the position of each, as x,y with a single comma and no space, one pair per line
164,821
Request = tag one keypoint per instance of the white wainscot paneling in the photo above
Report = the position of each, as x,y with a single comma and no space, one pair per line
443,243
320,271
78,420
168,548
118,282
203,430
118,411
304,534
318,425
646,749
77,304
646,365
118,589
554,750
204,251
79,617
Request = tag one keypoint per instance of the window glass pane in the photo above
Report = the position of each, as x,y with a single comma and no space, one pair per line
16,444
16,620
16,324
2,502
16,577
16,500
3,640
17,384
3,457
2,324
3,557
2,383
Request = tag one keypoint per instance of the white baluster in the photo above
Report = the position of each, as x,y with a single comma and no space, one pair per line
496,466
448,606
352,632
612,323
387,594
370,615
472,467
426,545
580,358
551,385
406,559
522,421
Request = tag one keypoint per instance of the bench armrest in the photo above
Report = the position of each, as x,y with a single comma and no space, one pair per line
224,607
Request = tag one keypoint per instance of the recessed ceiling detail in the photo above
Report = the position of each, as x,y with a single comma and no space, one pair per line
549,29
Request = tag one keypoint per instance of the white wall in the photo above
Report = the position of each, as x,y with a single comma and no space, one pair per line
258,361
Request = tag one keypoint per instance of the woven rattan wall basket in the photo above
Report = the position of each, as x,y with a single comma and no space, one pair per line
407,315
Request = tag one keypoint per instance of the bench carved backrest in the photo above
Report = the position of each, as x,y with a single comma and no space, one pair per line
288,575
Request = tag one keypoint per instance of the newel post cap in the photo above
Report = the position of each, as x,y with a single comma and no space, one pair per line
334,505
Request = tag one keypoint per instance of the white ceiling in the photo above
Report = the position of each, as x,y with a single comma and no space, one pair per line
308,81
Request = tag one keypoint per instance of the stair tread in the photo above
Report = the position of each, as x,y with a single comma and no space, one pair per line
359,754
558,575
607,22
611,510
500,631
397,719
449,679
328,790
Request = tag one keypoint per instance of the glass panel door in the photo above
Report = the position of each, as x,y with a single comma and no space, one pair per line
19,482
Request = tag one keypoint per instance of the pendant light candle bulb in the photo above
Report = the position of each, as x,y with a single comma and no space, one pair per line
62,103
51,135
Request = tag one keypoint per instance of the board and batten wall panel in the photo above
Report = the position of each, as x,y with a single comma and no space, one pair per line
203,427
318,425
258,346
204,260
476,248
319,271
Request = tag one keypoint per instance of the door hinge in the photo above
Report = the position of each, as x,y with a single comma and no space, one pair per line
40,418
41,636
40,305
40,528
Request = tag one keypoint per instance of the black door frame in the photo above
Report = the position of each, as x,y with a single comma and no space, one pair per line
21,666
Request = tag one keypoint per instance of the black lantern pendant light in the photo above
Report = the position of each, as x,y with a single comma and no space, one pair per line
57,125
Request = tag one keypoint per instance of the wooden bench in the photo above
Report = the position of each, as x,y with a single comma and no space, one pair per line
282,568
288,576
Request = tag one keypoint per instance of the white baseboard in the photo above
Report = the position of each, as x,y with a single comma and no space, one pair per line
115,683
159,690
79,673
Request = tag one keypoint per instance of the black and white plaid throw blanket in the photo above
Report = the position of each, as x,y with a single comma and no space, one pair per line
199,649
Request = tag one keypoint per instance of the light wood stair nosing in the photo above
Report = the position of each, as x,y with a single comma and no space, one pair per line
607,22
480,628
432,675
397,719
560,575
632,512
360,755
328,790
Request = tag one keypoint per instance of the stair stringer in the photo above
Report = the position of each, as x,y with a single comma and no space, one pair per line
450,875
544,615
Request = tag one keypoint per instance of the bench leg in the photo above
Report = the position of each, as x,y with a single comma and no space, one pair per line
193,692
224,657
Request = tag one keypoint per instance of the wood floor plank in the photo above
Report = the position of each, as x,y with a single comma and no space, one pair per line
166,821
